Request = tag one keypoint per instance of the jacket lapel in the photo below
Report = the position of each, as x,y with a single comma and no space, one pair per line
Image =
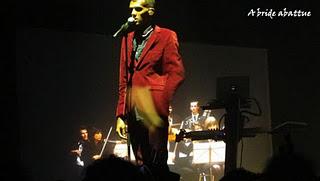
150,42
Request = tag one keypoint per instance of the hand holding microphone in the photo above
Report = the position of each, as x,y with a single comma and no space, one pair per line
123,29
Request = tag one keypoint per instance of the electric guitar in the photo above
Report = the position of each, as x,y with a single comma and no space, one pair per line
201,135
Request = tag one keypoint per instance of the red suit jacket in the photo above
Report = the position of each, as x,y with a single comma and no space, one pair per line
159,69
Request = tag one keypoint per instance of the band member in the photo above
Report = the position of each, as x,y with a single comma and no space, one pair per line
98,143
184,149
173,130
82,151
174,126
194,122
211,123
101,146
151,69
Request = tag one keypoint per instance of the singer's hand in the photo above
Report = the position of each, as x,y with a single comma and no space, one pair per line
121,128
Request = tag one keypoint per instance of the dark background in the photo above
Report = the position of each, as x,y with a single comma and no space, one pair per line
292,45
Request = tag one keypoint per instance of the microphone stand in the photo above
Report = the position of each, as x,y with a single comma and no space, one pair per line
128,101
128,97
128,105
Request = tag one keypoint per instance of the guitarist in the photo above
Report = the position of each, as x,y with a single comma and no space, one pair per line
184,149
194,122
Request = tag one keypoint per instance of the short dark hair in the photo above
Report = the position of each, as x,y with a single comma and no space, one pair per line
82,127
148,3
96,130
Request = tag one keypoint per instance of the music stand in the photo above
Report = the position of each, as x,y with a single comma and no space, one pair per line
232,92
208,153
285,129
288,126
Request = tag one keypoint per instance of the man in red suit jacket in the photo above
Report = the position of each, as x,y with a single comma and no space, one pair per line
151,70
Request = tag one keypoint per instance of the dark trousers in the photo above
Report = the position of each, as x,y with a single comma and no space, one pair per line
150,150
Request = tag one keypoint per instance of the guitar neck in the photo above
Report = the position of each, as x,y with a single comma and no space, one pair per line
201,135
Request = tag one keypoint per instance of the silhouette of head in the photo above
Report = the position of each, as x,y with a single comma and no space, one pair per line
108,168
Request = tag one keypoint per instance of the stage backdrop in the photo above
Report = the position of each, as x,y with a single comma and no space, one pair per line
204,63
66,79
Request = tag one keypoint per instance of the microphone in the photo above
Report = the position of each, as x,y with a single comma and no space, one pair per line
123,29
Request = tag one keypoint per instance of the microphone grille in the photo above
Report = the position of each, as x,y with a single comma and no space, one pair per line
130,19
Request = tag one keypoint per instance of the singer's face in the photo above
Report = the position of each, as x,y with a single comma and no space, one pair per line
139,12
